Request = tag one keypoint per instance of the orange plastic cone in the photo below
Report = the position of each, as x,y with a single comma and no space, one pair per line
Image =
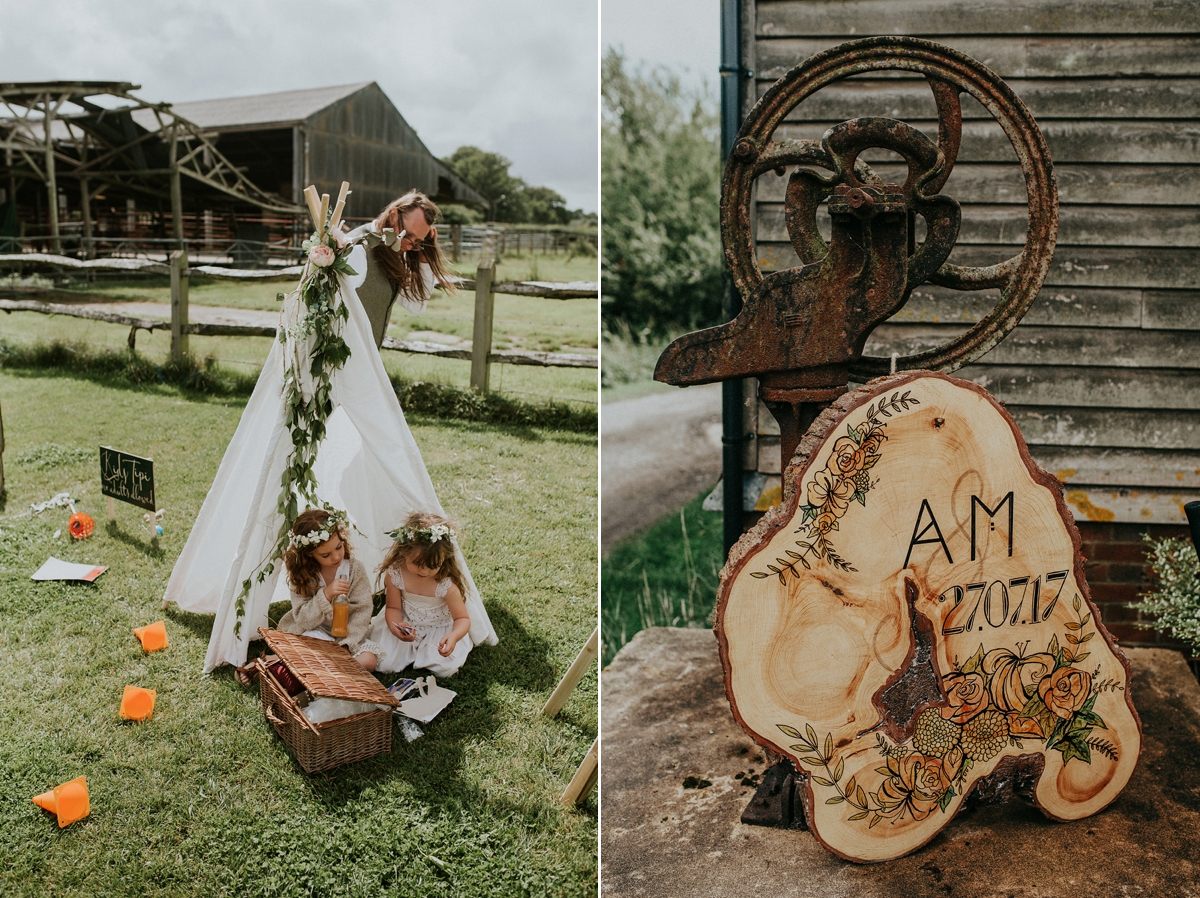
137,703
46,802
69,801
153,637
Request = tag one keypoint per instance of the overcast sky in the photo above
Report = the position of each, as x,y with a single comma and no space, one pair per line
515,77
684,35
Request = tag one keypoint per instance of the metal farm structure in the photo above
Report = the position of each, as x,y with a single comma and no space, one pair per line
325,136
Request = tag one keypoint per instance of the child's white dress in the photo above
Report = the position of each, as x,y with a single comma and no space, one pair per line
430,617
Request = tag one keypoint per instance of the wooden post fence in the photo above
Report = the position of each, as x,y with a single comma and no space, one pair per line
64,302
481,337
2,491
179,304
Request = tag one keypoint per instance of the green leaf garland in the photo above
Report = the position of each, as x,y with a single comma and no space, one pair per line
304,416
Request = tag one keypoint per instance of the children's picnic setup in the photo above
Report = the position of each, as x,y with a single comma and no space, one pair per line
322,500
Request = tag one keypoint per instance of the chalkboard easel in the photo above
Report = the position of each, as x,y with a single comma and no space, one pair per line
126,477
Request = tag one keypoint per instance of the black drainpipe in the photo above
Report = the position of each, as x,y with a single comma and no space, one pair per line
733,435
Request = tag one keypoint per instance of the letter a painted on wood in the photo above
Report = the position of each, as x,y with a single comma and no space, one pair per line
918,539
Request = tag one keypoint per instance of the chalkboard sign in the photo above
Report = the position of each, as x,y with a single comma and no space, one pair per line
127,477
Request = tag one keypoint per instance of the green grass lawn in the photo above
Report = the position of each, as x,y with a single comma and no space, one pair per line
204,799
663,576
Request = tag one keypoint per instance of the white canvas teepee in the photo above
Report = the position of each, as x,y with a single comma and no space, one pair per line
368,465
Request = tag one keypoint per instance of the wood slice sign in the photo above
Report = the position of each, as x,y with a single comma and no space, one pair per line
912,623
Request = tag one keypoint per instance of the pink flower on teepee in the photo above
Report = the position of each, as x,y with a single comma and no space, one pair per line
321,255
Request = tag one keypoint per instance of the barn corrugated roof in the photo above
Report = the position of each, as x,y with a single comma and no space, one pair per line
285,107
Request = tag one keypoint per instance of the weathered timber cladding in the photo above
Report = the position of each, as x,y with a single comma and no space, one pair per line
1103,374
365,140
1098,225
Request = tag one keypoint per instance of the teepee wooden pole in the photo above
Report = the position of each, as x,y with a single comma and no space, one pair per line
580,666
584,779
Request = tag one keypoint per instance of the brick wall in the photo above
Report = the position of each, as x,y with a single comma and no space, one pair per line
1117,572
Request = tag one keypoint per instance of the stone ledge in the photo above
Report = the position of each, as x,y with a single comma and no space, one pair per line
665,718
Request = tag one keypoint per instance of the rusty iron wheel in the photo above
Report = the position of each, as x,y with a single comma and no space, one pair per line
949,73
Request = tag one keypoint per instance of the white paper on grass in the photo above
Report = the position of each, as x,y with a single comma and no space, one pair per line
429,704
368,465
57,569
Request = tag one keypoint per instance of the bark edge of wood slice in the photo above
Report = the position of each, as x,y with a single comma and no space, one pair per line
912,621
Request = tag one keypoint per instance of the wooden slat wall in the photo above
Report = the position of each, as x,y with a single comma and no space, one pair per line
364,139
1103,374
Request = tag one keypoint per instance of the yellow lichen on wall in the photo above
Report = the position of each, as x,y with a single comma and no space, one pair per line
1084,506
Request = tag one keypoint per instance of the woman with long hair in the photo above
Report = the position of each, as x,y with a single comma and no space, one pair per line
409,275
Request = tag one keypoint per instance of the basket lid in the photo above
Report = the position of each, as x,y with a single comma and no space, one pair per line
326,669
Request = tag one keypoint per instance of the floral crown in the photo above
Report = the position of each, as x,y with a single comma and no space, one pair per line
316,537
422,535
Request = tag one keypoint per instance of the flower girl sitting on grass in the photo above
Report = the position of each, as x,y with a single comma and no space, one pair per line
319,569
425,622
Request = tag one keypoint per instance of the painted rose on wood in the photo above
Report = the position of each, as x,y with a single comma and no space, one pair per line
967,694
917,784
1065,691
994,700
831,490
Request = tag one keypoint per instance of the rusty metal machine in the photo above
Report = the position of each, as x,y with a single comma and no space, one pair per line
801,331
804,597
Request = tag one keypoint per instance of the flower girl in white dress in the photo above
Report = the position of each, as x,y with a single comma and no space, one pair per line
425,622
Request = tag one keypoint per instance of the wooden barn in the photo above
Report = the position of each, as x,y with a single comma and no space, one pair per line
1103,373
285,141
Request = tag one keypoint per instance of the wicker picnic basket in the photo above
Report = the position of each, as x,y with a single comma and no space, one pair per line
324,669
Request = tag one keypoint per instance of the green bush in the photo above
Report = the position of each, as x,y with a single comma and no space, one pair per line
453,213
442,401
630,356
193,376
661,263
1175,604
189,374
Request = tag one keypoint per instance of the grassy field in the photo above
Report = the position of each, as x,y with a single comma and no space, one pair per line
627,363
521,322
204,799
663,576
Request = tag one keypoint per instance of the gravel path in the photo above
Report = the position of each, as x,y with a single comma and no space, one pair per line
657,453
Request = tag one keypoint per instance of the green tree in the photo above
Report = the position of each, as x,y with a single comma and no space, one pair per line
488,173
453,213
546,206
511,199
661,263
